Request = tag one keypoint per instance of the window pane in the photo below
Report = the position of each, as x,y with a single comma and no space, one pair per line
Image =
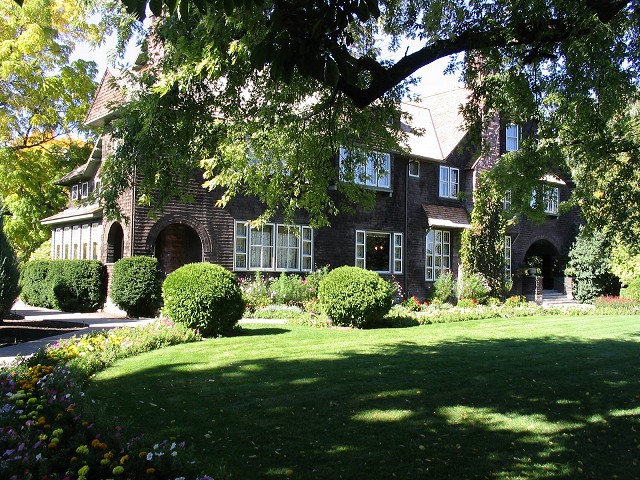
378,252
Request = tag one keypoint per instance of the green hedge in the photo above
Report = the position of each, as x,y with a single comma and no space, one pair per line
136,286
354,297
631,291
67,285
203,296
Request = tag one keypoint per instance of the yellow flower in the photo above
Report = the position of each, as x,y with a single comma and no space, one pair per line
150,470
124,459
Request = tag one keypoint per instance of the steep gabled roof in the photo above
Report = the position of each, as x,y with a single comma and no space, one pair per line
86,171
109,93
437,125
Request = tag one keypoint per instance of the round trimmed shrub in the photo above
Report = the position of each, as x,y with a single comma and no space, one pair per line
354,297
203,296
136,286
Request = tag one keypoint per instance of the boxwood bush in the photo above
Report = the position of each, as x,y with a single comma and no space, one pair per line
203,296
136,286
354,297
67,285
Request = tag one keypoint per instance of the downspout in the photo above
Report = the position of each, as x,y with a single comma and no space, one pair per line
406,225
133,206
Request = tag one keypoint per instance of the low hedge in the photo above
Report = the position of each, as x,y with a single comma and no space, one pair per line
136,286
354,297
67,285
203,296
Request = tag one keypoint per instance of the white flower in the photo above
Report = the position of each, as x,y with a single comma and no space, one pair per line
149,456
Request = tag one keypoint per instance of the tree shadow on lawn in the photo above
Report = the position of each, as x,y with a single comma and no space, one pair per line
538,408
260,331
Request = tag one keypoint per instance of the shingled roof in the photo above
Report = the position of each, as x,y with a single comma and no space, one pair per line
446,217
109,94
436,126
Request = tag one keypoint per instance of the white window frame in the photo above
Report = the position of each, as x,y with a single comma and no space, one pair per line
366,174
512,135
84,190
437,254
507,257
74,192
551,199
416,173
395,262
506,204
271,253
448,185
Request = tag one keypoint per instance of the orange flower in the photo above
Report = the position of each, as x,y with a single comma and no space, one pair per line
151,471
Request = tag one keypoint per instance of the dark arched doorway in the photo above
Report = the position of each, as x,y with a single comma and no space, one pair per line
550,266
115,243
176,245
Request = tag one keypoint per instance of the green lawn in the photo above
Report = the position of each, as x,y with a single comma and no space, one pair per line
547,397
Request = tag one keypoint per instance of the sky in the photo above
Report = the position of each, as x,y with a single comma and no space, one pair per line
433,80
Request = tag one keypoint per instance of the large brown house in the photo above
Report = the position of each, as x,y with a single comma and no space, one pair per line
412,233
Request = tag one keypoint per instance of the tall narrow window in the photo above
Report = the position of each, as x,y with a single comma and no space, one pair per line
551,200
261,249
84,193
512,138
507,257
414,168
437,254
74,192
288,248
449,182
307,249
507,200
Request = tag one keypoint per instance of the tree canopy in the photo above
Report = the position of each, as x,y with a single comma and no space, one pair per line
44,96
294,80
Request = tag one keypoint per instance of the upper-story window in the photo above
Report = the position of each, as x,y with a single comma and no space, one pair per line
506,202
512,138
96,187
414,168
551,200
74,192
84,190
507,257
373,170
550,197
449,182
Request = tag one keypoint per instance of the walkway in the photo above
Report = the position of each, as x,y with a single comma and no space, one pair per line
92,321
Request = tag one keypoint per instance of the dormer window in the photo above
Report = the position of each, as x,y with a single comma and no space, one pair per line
374,170
550,197
512,138
74,192
96,187
449,182
84,190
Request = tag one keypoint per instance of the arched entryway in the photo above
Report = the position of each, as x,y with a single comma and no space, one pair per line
176,245
115,243
550,266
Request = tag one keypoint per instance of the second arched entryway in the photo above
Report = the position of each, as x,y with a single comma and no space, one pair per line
176,245
549,258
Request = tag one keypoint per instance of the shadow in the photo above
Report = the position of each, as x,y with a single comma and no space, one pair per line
548,407
261,331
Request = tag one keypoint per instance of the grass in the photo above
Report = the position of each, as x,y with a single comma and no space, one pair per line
542,397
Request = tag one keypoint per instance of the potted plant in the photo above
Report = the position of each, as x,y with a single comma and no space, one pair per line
534,265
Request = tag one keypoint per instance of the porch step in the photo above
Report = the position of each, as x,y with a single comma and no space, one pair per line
557,299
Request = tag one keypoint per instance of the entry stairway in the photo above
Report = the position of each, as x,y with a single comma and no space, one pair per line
554,298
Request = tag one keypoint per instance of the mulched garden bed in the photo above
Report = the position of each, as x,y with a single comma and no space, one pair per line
14,331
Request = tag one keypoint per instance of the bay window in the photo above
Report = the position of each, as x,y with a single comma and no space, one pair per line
437,254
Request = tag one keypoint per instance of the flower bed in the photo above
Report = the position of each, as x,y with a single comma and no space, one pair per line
45,435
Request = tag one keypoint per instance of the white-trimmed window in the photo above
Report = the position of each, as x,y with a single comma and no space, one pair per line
96,187
512,138
414,168
437,254
507,257
551,199
373,171
84,190
506,205
74,192
449,182
273,247
379,251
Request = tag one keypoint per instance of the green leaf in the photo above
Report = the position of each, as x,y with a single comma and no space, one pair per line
229,6
156,7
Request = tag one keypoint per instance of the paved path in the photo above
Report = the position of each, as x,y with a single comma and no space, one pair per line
92,321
